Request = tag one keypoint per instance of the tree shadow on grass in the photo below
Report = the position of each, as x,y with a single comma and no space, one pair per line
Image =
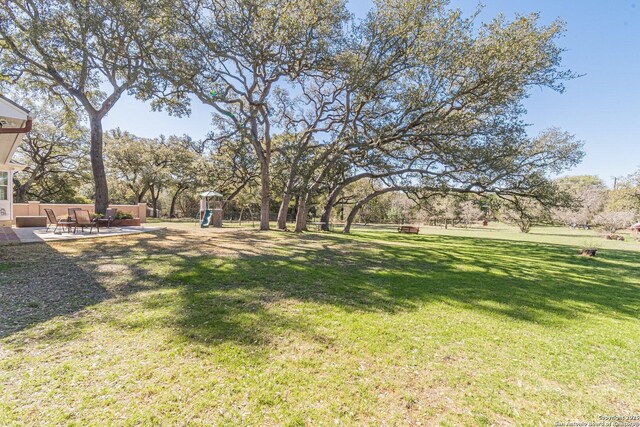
546,276
249,287
244,297
38,283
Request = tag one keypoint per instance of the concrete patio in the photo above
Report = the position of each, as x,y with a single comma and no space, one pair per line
39,234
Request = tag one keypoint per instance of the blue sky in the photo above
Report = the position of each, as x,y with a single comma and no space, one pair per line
602,108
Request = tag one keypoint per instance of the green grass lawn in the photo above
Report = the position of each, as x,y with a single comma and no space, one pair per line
202,327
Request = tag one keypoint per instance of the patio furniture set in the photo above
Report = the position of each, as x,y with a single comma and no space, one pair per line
77,217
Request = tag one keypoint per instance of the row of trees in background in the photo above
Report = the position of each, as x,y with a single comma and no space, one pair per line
169,171
312,110
597,205
592,205
173,168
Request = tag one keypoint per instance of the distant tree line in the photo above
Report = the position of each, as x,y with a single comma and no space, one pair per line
596,205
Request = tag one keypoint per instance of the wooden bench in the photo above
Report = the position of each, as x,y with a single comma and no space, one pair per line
408,229
31,221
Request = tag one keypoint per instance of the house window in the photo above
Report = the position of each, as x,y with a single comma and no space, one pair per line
4,185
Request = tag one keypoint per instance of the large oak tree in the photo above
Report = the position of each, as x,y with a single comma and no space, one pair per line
233,54
88,53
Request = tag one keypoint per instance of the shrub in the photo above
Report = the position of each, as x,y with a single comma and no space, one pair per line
123,215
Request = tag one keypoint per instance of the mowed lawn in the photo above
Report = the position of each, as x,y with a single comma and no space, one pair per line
202,327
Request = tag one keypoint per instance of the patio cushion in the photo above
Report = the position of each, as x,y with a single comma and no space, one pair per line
31,221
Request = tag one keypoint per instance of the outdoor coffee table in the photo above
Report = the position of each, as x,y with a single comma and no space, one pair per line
67,224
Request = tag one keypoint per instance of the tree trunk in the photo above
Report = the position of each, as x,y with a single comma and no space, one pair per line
172,211
264,195
140,196
284,209
361,203
286,195
326,212
154,201
97,165
328,207
331,201
295,207
351,217
301,215
356,209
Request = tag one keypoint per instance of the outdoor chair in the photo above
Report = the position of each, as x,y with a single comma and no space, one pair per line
108,217
70,213
83,219
58,222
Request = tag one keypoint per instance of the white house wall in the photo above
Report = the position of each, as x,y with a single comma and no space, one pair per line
6,206
11,116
